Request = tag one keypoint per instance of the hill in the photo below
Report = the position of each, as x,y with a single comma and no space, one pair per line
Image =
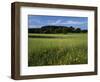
51,29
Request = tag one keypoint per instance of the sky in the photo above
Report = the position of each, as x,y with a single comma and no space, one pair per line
37,21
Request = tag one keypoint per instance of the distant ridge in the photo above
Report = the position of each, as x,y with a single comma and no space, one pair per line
52,29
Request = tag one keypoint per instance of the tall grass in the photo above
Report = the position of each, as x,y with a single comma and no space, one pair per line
71,49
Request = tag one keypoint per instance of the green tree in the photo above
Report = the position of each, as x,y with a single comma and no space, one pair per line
78,30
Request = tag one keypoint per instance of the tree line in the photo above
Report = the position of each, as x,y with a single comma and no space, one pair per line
50,29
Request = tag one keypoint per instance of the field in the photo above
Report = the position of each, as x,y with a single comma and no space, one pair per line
57,49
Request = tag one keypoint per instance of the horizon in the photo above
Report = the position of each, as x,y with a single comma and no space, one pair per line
38,21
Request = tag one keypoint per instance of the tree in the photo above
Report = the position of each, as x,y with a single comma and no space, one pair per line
52,29
65,31
84,31
77,30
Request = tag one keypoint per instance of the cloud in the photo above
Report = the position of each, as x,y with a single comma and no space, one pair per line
34,23
53,22
34,26
68,22
56,22
73,22
34,20
37,23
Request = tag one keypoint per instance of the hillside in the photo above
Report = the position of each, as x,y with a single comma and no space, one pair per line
51,29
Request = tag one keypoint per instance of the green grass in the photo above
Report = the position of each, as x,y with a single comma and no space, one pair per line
65,49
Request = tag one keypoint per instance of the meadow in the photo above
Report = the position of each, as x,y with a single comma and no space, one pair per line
57,49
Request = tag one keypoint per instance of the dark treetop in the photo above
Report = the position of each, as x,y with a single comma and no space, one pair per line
52,29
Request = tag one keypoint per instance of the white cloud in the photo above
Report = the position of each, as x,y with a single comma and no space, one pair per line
51,22
38,24
73,22
56,22
34,26
61,22
34,20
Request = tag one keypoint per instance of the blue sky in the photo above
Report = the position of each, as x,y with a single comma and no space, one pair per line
36,21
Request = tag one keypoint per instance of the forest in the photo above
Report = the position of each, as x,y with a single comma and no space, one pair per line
51,29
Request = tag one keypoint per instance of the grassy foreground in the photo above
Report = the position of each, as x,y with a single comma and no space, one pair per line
57,49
